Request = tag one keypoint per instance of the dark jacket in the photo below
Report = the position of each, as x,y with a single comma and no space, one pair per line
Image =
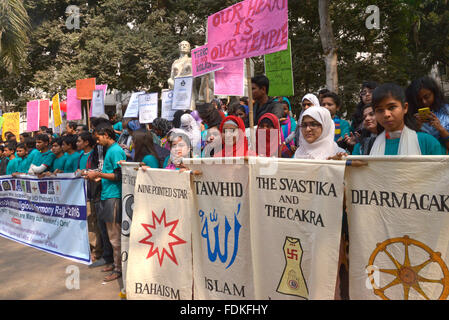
271,106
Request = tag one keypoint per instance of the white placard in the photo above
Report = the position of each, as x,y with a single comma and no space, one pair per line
132,110
182,93
167,102
148,107
97,103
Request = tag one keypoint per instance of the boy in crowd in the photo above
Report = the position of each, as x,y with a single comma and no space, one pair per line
21,151
110,209
60,157
31,153
71,127
85,144
44,160
13,161
70,148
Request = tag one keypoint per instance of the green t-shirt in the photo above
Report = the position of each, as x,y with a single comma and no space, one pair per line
45,158
71,162
151,161
23,165
83,160
58,163
112,189
118,127
13,165
428,144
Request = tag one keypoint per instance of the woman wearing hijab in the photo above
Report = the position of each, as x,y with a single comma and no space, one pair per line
180,147
193,130
234,141
316,140
309,100
268,136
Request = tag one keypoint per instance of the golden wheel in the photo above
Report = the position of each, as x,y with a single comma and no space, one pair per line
406,273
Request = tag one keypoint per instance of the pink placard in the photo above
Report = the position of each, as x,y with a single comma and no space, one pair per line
200,63
73,106
103,87
247,29
44,109
230,80
33,116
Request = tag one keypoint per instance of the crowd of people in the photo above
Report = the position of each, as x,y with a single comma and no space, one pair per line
388,121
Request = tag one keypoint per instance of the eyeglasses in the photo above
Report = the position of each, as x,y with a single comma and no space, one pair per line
311,125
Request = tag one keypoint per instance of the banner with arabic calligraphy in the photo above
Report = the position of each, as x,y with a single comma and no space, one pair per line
398,228
222,262
296,214
160,251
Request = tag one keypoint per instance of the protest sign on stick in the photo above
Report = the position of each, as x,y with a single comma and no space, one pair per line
148,107
278,69
73,106
33,115
200,63
132,110
167,101
97,103
230,80
44,109
57,119
247,29
182,93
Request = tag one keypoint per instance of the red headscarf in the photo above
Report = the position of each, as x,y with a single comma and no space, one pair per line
239,149
271,143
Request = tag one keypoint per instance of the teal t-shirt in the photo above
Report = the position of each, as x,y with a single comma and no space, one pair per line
118,127
23,165
71,162
45,158
428,144
58,163
28,160
13,165
112,189
83,160
151,161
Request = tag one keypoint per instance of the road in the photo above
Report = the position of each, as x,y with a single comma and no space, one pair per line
31,274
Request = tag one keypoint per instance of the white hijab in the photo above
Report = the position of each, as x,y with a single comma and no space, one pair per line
312,98
189,124
324,146
408,145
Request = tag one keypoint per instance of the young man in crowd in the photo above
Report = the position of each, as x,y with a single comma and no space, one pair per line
111,193
70,148
71,127
31,153
12,161
44,160
60,157
21,151
264,104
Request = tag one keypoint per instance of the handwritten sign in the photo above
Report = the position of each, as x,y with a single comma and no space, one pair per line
11,123
44,109
247,29
33,116
278,69
148,107
230,80
201,64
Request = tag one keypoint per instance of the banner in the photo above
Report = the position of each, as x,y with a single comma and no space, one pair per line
132,110
32,115
148,107
230,80
247,29
73,106
200,63
85,88
47,214
44,113
160,250
97,106
182,93
57,119
11,123
129,175
222,260
167,102
398,217
296,227
279,70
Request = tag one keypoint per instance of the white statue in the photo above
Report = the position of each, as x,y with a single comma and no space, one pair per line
182,67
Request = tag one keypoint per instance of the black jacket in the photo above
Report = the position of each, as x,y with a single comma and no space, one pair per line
271,106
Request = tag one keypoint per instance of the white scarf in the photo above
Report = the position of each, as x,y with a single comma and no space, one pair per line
408,145
324,146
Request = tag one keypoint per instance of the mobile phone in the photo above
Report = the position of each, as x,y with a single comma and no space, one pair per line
424,113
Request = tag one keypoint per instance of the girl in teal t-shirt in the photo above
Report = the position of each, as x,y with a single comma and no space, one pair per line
144,149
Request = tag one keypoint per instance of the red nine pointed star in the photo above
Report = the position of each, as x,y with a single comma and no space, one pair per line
154,249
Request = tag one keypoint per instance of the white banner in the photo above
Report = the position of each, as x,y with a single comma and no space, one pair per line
296,214
129,175
398,216
148,107
222,260
182,93
132,110
160,251
97,103
47,214
167,102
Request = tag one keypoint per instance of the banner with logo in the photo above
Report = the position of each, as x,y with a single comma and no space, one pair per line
182,93
296,214
167,102
47,214
398,217
129,174
160,249
222,261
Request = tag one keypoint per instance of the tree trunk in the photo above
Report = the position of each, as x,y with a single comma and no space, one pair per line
329,46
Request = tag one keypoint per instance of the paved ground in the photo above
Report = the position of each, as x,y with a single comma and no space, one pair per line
30,274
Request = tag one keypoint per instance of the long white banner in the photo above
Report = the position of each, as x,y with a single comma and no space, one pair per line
47,214
398,216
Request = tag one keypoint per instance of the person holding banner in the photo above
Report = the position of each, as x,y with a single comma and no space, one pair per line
31,152
44,160
316,140
234,141
180,147
21,151
110,209
13,161
268,136
70,149
60,156
400,136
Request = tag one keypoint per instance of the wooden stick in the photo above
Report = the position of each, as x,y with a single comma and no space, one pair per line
88,114
250,103
207,89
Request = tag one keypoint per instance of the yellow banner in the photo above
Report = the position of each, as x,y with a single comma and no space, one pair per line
56,111
11,123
